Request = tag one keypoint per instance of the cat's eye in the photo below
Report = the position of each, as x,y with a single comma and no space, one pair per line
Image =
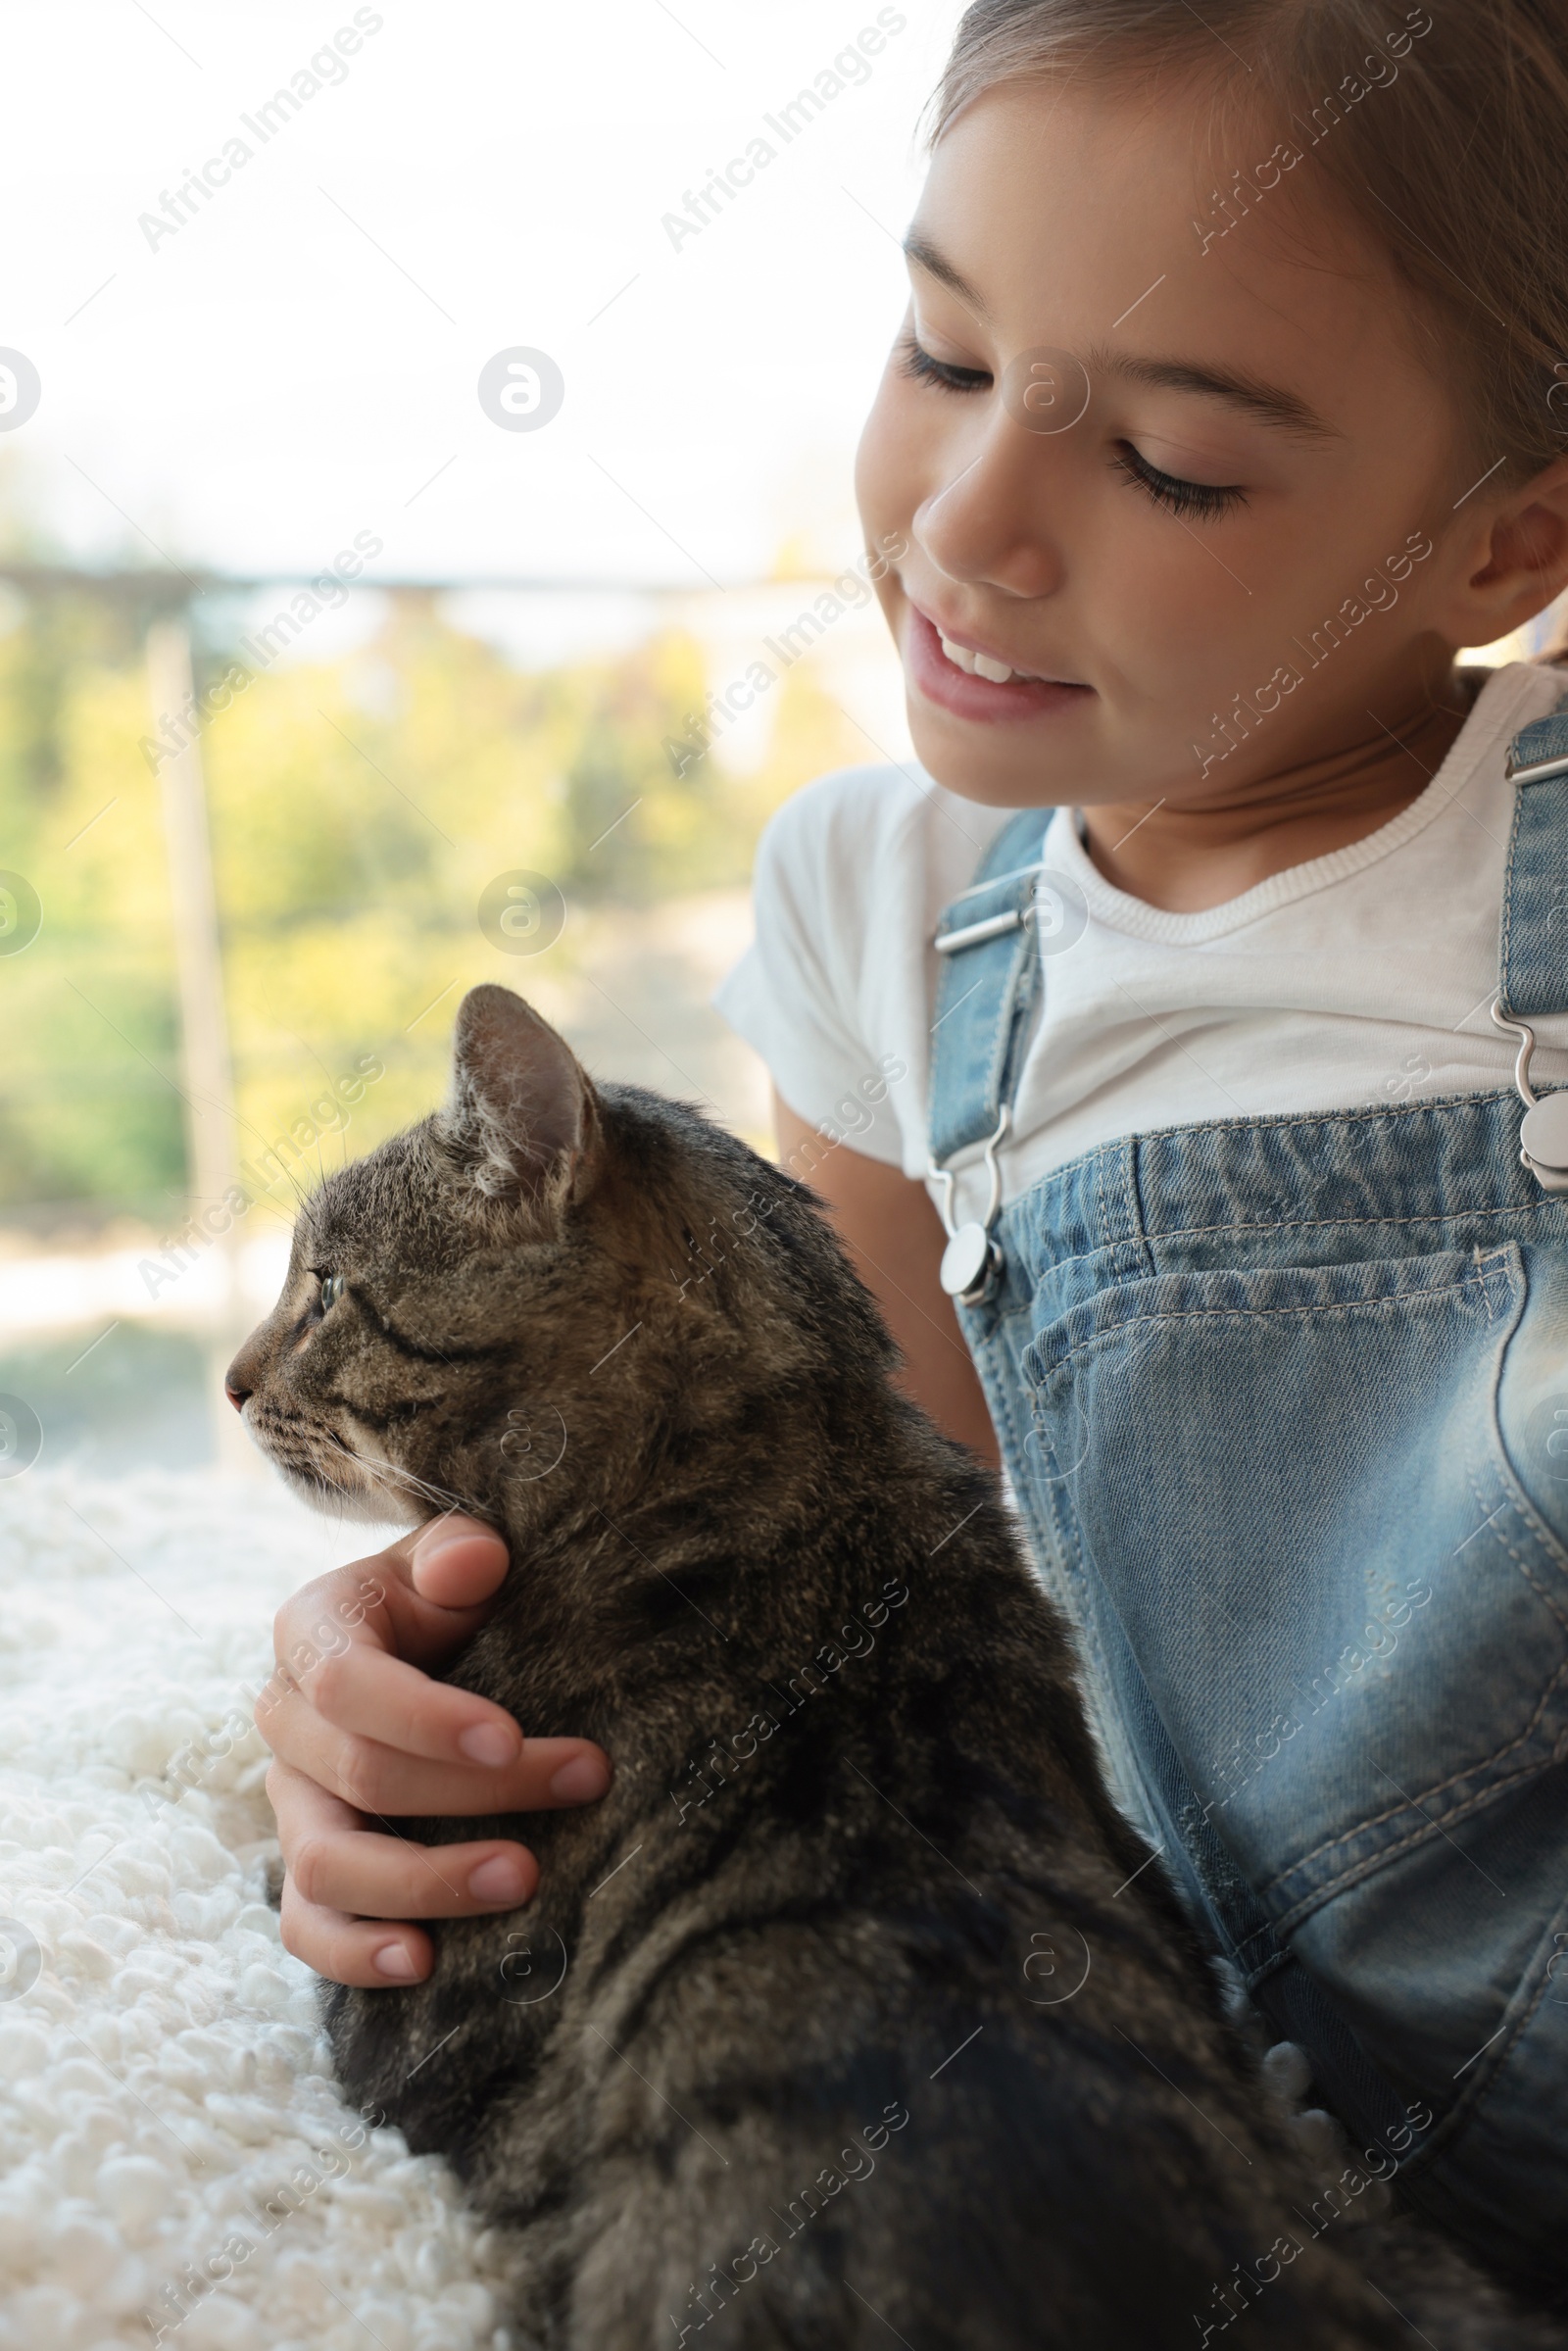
332,1289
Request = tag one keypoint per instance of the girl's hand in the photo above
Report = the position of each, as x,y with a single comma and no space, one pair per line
360,1734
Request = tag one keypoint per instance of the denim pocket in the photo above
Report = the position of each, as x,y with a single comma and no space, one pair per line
1288,1486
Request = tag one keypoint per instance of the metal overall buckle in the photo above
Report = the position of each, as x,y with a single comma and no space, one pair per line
1543,1128
972,1260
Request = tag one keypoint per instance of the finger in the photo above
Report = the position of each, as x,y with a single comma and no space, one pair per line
325,1615
377,1601
363,1691
458,1563
348,1950
374,1777
338,1865
343,1948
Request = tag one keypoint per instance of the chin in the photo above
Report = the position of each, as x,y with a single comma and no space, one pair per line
371,1508
949,759
347,1489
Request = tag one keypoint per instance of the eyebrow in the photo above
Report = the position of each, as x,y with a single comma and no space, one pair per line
1271,403
925,256
1268,402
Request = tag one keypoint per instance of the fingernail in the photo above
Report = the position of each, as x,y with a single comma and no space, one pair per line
393,1961
581,1781
498,1880
435,1544
491,1743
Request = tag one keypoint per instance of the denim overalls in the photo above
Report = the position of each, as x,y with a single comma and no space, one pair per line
1285,1405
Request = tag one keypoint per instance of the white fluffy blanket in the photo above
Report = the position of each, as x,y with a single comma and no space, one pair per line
176,2161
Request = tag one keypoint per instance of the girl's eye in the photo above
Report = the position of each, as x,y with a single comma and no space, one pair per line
1205,500
922,367
332,1289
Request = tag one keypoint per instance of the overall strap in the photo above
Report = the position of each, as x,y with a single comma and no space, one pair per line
990,978
1532,956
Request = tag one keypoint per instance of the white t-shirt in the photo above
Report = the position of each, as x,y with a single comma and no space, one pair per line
1364,976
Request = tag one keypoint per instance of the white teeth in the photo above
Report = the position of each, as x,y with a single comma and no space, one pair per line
978,664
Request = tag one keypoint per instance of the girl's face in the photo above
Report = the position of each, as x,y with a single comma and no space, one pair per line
1193,492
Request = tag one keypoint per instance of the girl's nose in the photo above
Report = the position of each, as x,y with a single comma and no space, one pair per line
990,523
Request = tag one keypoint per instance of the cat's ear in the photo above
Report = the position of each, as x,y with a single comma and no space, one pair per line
521,1113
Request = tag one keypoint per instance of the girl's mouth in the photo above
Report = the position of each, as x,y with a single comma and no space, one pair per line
947,678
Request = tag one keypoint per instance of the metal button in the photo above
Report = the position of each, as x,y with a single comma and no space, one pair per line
1543,1135
965,1261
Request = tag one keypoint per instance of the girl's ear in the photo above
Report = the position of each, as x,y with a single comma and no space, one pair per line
522,1113
1524,564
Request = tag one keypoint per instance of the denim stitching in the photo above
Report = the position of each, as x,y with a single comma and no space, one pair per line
1505,952
1357,1305
1083,1623
1291,1122
1370,1863
1482,1763
1012,1389
1135,1189
1487,2075
1315,1224
1539,1588
1131,1248
1482,1798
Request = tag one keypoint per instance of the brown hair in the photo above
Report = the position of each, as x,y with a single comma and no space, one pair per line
1443,129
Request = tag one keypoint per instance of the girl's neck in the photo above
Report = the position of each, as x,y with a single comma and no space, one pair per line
1186,859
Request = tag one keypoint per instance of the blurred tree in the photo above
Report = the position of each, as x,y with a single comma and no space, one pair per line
88,1009
358,809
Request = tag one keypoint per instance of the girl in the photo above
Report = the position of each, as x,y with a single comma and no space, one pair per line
1154,1043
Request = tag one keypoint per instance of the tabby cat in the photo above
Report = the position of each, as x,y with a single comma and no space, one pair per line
855,2014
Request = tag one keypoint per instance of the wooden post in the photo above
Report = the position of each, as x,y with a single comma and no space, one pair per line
206,1066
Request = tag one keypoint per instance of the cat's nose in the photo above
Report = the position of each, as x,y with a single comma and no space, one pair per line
238,1386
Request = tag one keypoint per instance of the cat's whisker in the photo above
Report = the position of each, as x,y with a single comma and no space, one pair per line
425,1488
249,1126
428,1491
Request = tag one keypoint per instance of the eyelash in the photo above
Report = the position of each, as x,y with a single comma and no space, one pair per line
919,364
1207,501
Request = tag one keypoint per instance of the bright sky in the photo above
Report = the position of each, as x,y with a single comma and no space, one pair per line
300,360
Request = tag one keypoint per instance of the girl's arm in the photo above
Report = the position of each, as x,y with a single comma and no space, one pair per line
895,1236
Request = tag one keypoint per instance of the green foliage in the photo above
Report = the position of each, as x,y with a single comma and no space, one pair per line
358,810
88,1009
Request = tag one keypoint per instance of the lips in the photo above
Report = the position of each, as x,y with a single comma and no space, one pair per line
974,683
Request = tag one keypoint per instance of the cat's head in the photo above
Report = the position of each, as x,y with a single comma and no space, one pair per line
540,1292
